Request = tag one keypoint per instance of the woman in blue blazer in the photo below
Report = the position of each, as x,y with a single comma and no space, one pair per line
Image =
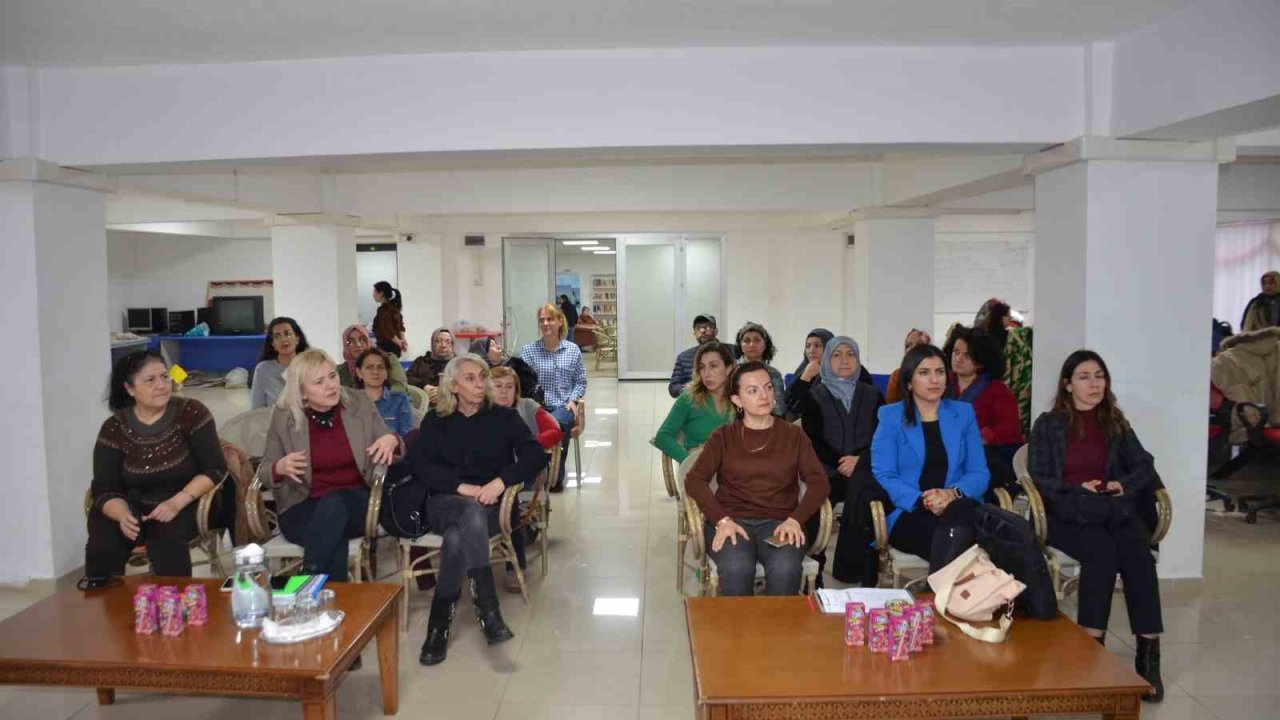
927,455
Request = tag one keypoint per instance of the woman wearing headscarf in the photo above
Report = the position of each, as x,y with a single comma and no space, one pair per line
1263,311
916,337
355,340
808,370
425,371
839,416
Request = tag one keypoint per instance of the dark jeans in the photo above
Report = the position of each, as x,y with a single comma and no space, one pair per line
466,527
322,527
1123,546
168,544
936,538
736,563
564,417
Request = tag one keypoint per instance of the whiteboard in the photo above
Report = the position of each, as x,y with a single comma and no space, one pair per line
969,269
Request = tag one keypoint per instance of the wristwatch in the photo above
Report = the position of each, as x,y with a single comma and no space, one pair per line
959,493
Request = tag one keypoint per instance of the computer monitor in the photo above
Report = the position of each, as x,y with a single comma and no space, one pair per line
237,315
138,320
159,320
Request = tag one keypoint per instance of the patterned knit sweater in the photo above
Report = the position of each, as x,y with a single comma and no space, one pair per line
149,463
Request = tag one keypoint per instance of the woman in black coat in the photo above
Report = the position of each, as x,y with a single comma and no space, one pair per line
1093,473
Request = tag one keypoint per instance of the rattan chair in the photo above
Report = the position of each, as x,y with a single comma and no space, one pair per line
682,520
248,430
893,562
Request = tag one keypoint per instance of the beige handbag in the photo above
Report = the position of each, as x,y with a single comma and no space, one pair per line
972,589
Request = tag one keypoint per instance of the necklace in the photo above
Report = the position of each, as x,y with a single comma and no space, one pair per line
743,431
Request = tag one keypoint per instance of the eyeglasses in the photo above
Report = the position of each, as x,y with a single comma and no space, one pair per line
363,341
374,369
286,335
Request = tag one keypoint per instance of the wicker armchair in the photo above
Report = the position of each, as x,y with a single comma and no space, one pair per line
710,580
894,562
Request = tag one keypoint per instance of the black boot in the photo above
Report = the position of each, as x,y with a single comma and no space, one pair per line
1147,664
485,597
436,647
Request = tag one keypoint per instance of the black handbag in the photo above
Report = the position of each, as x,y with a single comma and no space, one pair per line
1011,542
404,499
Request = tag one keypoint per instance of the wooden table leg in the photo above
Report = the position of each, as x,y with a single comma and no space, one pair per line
389,662
106,696
325,708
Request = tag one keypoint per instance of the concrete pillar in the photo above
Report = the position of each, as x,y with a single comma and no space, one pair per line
891,282
54,255
1124,267
313,269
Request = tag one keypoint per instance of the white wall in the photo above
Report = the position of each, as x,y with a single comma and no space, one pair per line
173,271
977,257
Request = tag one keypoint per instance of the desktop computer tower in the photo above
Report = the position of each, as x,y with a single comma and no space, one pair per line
181,321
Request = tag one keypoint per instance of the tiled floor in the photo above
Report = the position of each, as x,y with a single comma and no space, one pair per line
614,538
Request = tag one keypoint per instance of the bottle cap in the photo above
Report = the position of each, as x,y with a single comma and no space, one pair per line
251,553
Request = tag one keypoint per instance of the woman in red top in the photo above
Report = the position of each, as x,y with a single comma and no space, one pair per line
321,485
507,393
977,366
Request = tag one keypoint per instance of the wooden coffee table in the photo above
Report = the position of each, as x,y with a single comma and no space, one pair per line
774,657
86,639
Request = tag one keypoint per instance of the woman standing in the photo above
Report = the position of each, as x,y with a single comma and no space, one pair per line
355,340
388,323
285,340
321,486
425,371
927,455
757,514
700,409
1091,469
469,452
755,345
394,407
154,457
1263,311
561,375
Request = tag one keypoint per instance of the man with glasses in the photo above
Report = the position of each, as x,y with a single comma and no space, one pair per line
704,331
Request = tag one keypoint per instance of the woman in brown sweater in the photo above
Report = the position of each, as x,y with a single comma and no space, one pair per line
388,323
154,457
759,462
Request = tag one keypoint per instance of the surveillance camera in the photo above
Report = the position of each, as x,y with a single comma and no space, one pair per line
408,237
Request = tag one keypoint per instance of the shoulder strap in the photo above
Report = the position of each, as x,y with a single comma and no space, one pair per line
942,594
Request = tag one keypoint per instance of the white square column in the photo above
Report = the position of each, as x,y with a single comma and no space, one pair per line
1124,266
54,253
891,282
313,269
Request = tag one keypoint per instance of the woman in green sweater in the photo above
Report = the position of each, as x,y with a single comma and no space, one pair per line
700,409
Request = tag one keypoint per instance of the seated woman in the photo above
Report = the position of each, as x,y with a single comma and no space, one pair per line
394,407
561,375
585,318
491,350
755,345
285,340
927,455
810,367
977,366
321,487
700,409
355,340
759,462
154,457
507,393
1091,470
915,337
425,371
469,452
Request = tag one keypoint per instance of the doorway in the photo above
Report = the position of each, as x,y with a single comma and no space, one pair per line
374,263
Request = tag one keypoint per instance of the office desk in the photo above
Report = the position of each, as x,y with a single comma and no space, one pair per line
215,353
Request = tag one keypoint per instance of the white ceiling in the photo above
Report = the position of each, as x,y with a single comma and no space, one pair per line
123,32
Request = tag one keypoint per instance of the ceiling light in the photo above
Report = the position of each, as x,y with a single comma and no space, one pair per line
579,242
622,607
604,252
593,248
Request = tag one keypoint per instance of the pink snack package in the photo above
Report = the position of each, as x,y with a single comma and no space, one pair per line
855,624
916,631
145,621
927,620
195,605
878,630
899,638
169,609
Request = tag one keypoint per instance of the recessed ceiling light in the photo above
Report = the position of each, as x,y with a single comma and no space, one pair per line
622,607
604,252
592,248
579,242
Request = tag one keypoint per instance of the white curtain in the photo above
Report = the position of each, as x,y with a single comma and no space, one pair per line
1243,253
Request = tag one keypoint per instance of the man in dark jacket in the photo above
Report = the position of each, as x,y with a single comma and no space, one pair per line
704,331
570,314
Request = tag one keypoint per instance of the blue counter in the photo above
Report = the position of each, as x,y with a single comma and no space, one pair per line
215,353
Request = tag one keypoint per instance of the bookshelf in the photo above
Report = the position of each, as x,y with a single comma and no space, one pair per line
604,298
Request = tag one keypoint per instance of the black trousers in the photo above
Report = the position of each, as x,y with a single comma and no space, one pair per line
323,525
168,544
936,538
1121,545
466,527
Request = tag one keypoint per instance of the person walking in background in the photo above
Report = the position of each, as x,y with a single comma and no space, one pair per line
570,314
388,324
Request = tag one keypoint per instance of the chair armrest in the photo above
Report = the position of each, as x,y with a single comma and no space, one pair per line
697,522
88,501
1003,499
204,505
510,497
1164,515
880,523
826,518
374,510
580,423
669,474
1039,520
255,512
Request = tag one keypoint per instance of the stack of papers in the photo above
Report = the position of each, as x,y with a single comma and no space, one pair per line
833,601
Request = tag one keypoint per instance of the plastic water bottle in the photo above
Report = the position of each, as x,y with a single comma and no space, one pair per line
251,589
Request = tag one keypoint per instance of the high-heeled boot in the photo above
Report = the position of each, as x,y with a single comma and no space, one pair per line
485,596
1147,664
436,647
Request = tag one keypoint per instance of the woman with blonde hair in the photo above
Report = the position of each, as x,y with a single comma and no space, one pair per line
561,375
469,452
321,487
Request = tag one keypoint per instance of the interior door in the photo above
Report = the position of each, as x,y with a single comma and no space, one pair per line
528,283
650,293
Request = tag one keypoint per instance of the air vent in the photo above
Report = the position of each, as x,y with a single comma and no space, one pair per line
848,240
474,241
